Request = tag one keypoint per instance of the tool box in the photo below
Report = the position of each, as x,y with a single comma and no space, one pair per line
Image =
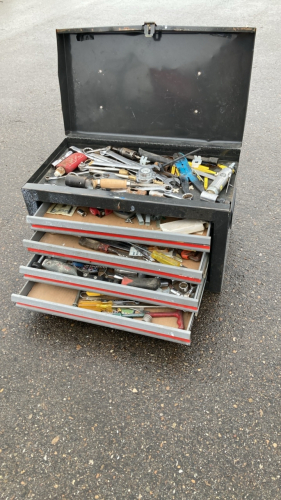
166,90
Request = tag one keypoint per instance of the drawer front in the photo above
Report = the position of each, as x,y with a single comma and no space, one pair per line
66,246
45,301
105,287
116,229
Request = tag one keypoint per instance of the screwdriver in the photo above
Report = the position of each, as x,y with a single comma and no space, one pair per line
109,307
102,246
128,153
146,283
165,259
96,305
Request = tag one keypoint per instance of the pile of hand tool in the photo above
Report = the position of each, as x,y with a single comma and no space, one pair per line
125,308
170,257
118,276
142,172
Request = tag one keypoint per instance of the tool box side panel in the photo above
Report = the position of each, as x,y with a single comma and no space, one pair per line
31,199
219,235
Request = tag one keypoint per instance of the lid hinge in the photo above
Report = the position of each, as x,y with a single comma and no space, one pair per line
149,29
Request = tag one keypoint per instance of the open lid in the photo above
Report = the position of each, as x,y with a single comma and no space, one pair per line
153,83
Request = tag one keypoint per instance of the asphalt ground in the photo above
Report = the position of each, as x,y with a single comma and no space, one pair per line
92,413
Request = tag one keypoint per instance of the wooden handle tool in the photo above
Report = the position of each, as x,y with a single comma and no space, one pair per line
93,244
111,183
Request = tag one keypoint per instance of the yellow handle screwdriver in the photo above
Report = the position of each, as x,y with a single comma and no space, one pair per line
174,170
165,259
96,305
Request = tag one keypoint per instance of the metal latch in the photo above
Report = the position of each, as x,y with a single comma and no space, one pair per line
149,29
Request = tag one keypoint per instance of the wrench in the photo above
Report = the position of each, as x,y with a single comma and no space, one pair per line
185,196
65,155
110,165
122,159
90,150
86,151
48,178
97,158
152,187
89,167
105,175
168,180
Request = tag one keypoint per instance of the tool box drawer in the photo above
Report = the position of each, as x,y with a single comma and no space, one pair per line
161,298
115,228
59,301
67,246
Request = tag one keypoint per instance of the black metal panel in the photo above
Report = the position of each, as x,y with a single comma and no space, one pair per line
183,83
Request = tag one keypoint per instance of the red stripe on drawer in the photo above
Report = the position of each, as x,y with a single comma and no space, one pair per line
105,322
74,257
110,292
120,236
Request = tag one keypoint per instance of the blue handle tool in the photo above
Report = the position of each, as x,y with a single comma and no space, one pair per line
185,171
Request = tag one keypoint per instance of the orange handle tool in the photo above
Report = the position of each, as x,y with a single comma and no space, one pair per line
185,254
190,254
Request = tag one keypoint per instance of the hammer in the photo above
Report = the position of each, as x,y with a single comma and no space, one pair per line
175,314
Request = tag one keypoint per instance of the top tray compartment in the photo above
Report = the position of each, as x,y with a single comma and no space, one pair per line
112,227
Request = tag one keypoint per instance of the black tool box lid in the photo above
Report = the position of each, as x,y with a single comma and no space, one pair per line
156,83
